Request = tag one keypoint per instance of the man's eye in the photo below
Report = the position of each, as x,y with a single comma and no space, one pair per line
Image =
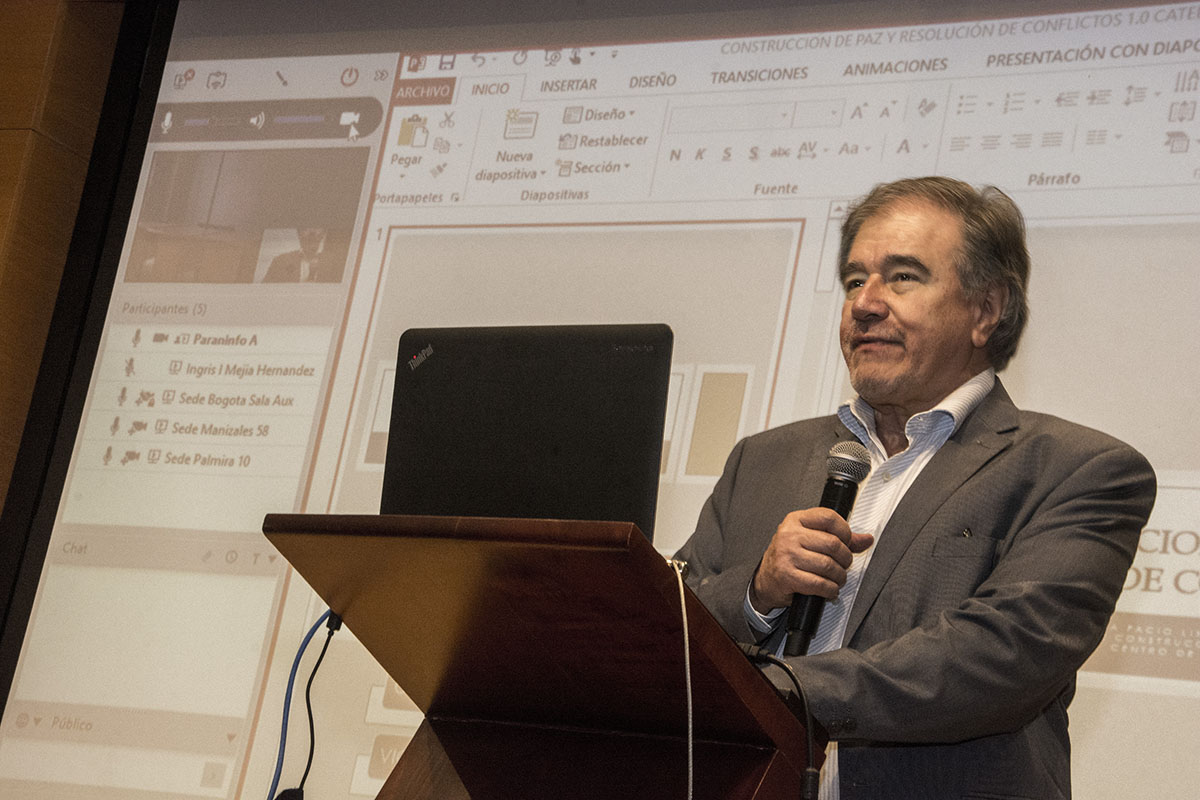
902,277
852,283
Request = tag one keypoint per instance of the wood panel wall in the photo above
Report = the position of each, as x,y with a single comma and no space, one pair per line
54,64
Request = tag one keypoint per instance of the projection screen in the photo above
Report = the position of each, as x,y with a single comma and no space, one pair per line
315,181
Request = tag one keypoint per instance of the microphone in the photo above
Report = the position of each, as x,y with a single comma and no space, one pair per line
848,465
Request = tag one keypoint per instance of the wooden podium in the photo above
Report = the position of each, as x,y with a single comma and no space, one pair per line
547,657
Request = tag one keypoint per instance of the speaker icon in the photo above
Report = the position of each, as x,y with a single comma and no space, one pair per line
258,120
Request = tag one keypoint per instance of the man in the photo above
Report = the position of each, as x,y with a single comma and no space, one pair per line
310,263
989,544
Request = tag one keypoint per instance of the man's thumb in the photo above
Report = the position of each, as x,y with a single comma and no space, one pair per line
860,542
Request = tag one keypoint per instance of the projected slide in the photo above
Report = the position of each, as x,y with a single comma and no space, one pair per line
296,213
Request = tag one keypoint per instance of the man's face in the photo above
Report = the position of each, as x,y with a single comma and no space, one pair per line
310,240
908,334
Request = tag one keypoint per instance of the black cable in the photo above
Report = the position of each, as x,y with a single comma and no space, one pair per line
812,776
333,623
308,705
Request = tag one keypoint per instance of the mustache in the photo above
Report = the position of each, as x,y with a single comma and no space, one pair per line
862,334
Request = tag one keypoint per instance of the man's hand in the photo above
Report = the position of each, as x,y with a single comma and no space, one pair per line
809,554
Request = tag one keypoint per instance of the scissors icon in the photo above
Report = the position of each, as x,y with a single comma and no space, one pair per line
448,120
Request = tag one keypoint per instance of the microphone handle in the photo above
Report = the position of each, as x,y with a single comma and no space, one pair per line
804,616
805,612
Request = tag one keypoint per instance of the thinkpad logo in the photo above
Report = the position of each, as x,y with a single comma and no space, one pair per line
419,358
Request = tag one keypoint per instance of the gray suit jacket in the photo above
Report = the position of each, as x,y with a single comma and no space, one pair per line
990,585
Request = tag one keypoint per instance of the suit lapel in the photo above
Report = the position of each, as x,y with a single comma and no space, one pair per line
986,432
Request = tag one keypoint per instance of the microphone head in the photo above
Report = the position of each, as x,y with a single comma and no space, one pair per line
849,460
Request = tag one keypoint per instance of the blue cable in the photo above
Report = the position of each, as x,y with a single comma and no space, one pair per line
287,701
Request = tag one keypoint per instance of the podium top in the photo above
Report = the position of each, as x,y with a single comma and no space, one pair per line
535,622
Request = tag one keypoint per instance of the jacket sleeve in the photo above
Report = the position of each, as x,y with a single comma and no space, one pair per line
719,578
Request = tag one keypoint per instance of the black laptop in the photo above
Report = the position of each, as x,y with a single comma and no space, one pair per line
545,422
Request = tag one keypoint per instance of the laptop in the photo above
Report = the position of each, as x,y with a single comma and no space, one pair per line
543,422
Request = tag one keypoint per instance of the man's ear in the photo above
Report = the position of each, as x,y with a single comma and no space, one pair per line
988,311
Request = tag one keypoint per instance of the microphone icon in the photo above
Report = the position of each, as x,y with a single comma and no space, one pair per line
166,123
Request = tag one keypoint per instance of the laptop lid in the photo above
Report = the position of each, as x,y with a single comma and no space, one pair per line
543,422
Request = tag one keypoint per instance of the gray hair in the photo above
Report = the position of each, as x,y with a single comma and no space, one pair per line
993,250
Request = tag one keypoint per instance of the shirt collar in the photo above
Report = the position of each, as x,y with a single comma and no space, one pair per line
940,422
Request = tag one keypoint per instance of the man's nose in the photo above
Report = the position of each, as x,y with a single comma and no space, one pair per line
869,300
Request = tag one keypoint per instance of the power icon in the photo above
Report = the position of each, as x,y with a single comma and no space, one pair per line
349,76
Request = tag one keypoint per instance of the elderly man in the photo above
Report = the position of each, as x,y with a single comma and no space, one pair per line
988,545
